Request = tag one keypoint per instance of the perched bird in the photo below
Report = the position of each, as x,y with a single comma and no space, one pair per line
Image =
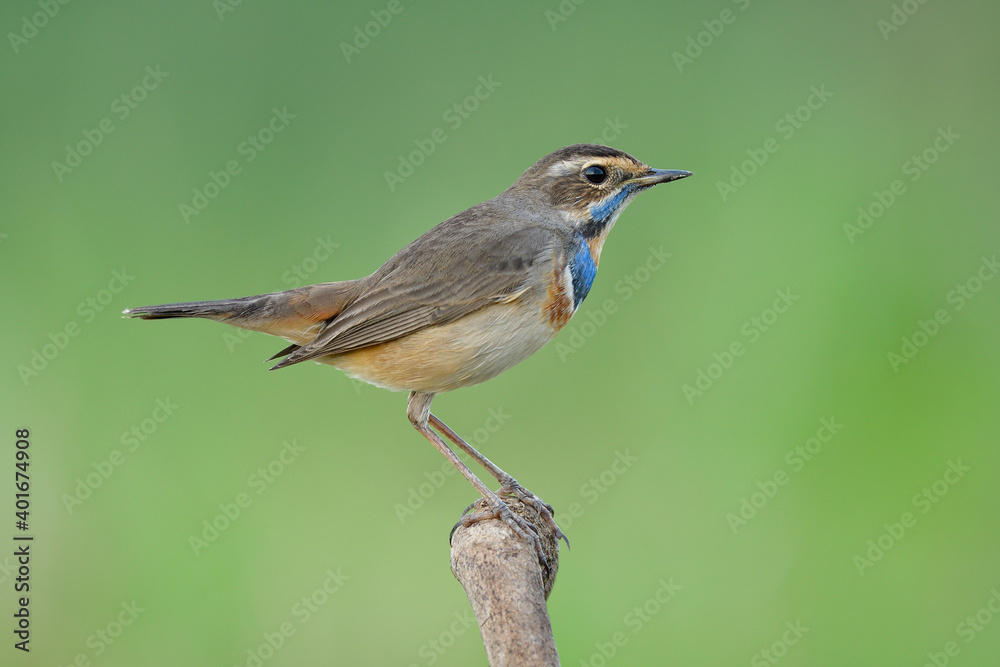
470,298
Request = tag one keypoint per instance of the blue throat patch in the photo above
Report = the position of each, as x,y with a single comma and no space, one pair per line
602,211
583,269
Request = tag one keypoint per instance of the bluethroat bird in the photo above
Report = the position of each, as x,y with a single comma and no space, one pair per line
470,298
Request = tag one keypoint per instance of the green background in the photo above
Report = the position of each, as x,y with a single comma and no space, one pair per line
607,71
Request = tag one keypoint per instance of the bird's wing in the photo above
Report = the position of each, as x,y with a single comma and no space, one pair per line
454,269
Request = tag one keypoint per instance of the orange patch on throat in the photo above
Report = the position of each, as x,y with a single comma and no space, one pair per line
595,244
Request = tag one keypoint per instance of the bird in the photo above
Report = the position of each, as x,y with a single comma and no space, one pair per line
470,298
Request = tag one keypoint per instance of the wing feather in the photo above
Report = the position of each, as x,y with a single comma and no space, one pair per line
460,266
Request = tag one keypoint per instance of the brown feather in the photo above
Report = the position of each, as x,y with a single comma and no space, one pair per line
454,269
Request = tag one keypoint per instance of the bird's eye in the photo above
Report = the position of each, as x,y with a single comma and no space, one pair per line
595,174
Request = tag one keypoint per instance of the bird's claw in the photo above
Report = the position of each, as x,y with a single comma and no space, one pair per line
542,508
518,524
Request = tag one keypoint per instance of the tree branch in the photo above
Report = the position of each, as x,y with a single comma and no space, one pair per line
507,587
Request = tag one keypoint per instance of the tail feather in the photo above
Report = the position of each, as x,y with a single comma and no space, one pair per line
212,310
283,353
297,315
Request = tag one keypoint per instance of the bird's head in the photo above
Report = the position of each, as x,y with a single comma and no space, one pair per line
590,185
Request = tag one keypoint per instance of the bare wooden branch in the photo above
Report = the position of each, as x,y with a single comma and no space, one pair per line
507,587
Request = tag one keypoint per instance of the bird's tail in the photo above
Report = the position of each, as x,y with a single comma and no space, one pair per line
297,315
212,310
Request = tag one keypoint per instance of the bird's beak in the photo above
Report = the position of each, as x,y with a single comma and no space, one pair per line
654,176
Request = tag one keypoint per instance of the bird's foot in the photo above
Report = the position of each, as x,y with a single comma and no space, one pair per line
498,509
542,508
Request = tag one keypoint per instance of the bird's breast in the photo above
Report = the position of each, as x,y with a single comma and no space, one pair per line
464,352
560,301
484,343
569,282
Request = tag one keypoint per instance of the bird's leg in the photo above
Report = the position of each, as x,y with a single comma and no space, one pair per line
418,409
508,485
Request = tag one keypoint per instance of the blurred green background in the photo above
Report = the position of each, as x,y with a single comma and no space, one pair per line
710,524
